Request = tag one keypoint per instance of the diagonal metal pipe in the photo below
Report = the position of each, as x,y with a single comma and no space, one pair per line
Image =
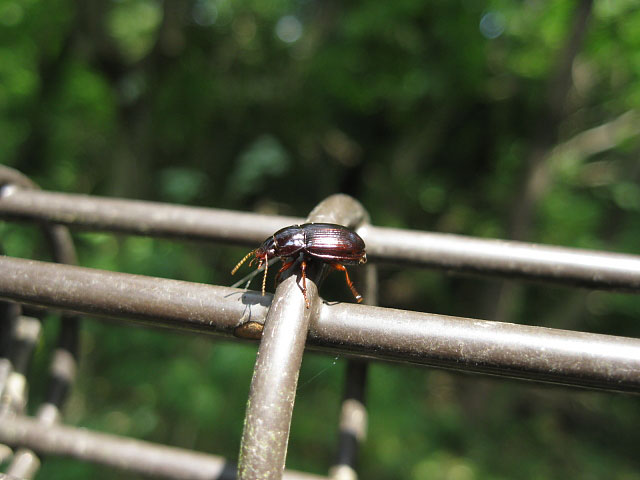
275,378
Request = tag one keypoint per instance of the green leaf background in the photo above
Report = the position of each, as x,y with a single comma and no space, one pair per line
405,105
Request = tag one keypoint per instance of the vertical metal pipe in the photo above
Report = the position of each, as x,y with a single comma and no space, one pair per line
275,377
353,421
353,412
9,313
25,336
25,463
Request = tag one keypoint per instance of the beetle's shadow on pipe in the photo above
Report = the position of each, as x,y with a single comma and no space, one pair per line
331,303
248,328
316,273
254,298
249,298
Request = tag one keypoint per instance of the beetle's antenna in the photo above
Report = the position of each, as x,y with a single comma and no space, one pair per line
252,274
264,279
235,269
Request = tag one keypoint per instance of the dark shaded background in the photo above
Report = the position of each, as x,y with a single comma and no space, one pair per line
495,119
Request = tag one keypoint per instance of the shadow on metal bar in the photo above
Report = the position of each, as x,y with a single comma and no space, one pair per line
518,351
568,266
275,377
126,454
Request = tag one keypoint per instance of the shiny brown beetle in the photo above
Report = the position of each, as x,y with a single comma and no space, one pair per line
333,244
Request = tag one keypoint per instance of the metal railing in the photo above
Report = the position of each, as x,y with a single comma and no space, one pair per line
286,327
568,266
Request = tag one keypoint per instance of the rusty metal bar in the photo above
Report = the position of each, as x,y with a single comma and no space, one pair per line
519,351
587,268
126,454
275,377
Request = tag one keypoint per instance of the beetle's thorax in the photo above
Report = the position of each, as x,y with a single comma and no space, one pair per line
289,241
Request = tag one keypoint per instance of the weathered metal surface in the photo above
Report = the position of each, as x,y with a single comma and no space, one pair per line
140,217
568,266
123,453
275,377
25,463
593,269
528,352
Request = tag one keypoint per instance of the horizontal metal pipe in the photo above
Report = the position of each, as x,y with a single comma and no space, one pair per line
519,351
139,217
58,237
148,300
123,453
587,268
452,252
505,349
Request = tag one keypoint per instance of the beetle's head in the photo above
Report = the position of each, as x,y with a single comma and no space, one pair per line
267,250
263,254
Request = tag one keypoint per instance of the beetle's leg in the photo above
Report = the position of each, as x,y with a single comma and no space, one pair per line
303,267
342,268
235,269
285,266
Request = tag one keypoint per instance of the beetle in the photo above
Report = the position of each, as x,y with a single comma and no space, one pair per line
332,244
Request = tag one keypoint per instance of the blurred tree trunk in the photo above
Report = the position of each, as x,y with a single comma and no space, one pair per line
501,298
132,83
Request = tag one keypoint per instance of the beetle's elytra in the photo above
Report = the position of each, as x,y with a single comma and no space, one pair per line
333,244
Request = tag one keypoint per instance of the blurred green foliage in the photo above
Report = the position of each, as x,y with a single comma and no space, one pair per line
491,118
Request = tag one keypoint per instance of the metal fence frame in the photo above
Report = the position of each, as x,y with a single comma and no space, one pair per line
283,324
